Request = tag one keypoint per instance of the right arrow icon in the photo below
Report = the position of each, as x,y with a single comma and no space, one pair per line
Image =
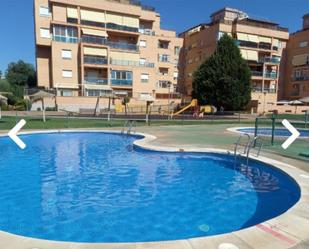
293,137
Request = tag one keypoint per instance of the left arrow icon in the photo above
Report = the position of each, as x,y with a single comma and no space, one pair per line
13,134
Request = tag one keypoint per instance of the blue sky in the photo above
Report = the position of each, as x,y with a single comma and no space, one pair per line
16,19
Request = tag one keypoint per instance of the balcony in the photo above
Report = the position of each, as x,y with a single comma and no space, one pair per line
257,89
94,40
121,27
95,81
270,90
257,73
121,82
95,60
271,75
146,32
270,60
301,78
131,63
123,46
264,46
66,39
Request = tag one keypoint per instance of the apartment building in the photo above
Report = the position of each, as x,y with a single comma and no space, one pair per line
90,48
261,43
296,80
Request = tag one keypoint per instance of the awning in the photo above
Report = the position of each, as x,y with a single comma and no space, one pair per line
275,42
244,54
124,56
95,32
72,13
265,39
67,86
242,37
95,51
131,21
92,16
252,55
97,87
299,60
254,38
113,18
40,95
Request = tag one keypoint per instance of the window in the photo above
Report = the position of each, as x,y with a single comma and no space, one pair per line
97,93
44,11
121,77
163,84
65,34
44,33
303,44
66,93
67,73
164,58
177,51
175,75
163,44
144,77
145,95
66,54
142,44
142,61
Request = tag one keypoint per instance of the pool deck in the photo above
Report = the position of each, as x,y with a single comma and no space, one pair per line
289,230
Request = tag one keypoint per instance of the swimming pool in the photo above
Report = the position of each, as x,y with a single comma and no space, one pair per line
96,187
280,132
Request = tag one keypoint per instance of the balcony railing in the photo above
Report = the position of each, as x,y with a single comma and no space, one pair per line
95,81
94,39
123,46
130,63
270,90
121,27
146,31
95,60
121,82
270,60
301,78
257,89
66,39
257,73
270,75
248,44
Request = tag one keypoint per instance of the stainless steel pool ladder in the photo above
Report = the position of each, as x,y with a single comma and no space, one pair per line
129,127
248,144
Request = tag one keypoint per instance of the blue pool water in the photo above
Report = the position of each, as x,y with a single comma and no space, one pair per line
281,132
95,187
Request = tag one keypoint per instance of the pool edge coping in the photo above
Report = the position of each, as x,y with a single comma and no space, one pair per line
277,228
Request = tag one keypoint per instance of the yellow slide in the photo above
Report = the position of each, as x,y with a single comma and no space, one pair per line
192,104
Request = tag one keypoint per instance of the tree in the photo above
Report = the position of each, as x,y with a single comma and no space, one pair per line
21,74
223,80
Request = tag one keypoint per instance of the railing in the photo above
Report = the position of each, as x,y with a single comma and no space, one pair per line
123,46
96,60
94,39
257,73
95,81
66,39
147,32
270,75
130,63
270,90
270,60
248,44
257,89
121,27
121,82
301,78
